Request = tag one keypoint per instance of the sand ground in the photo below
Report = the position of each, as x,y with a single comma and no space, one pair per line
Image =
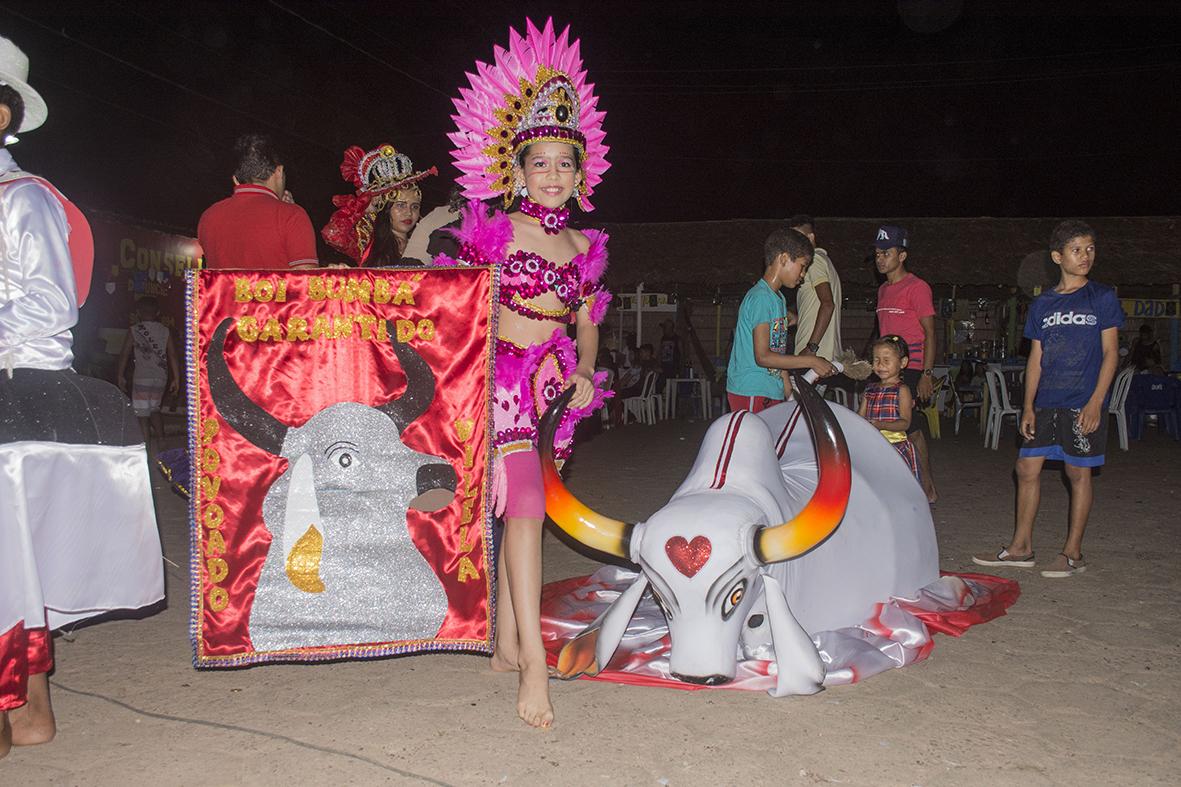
1079,684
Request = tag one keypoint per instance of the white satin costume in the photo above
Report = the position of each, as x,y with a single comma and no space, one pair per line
78,530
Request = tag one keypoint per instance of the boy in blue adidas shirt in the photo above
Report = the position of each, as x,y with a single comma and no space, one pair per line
1074,331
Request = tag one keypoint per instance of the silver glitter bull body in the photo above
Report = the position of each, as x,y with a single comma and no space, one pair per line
342,567
791,522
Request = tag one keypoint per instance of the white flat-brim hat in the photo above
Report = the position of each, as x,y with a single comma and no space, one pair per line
14,72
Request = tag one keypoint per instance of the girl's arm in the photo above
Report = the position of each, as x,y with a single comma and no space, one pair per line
863,407
587,339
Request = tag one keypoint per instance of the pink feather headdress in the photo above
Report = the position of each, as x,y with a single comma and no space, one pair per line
535,91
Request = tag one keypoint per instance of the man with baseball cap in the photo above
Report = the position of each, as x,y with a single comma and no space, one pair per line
78,532
906,309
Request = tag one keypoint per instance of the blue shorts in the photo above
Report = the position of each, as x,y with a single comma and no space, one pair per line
1056,435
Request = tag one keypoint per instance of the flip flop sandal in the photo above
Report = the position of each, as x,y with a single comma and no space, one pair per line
1003,558
1065,566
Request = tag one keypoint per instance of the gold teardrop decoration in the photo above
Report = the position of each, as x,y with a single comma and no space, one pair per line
303,562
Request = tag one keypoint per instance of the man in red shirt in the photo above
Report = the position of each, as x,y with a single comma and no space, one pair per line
255,227
906,309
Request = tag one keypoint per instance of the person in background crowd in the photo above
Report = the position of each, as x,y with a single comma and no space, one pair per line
670,350
818,300
432,235
78,533
155,365
1074,348
373,225
255,228
1145,352
905,308
756,376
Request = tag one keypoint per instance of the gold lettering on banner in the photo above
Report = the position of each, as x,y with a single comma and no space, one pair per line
297,330
365,322
217,569
247,329
262,291
218,598
405,295
467,570
469,535
381,291
213,516
271,332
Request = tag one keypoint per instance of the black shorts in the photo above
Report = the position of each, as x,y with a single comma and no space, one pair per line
1056,436
918,421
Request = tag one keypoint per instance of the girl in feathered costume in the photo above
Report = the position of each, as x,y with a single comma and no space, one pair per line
530,137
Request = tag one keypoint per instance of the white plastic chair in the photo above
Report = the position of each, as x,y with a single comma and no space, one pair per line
643,408
840,396
961,406
1119,397
998,408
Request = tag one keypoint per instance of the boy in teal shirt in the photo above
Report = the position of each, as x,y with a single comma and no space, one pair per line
755,378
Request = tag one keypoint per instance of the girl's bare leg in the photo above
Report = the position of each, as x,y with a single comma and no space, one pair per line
5,735
505,655
33,722
522,564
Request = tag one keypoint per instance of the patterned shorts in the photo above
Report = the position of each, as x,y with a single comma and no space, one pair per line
1056,435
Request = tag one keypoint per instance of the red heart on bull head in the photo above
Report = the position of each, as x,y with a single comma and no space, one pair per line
688,556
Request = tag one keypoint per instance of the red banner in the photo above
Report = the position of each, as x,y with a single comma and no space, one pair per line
340,433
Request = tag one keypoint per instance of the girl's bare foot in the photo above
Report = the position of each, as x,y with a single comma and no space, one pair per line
504,662
533,704
33,722
5,735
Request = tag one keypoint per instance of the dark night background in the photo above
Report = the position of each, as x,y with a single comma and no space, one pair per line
714,110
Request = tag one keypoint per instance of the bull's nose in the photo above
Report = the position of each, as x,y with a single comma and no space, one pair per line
704,680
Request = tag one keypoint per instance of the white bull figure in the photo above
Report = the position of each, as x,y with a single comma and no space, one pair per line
786,526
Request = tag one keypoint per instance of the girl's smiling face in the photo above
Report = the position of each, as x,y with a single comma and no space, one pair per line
551,173
887,364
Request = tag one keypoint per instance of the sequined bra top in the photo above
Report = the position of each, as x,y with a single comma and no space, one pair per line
525,276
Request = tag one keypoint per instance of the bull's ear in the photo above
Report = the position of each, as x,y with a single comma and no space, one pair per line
800,670
591,650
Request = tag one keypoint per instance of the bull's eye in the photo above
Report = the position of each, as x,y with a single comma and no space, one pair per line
733,599
343,454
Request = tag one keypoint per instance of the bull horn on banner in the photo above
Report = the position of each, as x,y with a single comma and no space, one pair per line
584,525
834,478
239,410
420,385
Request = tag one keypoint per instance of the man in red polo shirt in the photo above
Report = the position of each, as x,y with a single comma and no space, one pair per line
255,228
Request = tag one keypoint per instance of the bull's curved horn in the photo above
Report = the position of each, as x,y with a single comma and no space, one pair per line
239,410
420,385
823,513
568,512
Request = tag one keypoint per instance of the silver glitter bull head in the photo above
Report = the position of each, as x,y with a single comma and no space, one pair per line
708,555
342,567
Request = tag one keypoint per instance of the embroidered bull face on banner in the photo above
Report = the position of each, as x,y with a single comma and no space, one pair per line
342,567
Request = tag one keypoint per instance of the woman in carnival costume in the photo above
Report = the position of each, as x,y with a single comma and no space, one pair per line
530,141
373,225
78,530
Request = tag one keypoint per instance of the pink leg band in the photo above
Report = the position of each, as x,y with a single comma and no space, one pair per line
526,495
